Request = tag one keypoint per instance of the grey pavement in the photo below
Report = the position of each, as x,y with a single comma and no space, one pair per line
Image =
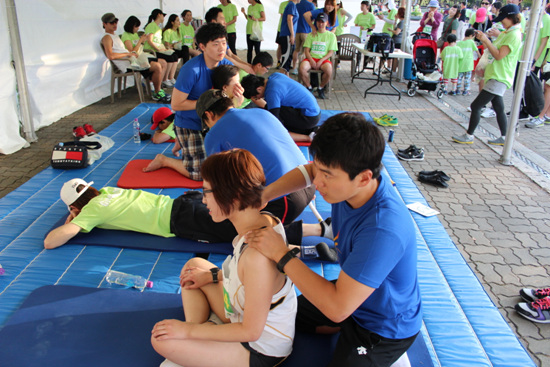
496,215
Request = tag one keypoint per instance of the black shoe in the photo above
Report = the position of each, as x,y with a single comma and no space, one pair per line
435,173
321,93
407,150
435,180
144,136
415,154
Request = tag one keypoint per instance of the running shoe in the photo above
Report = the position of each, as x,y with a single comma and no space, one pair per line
412,155
536,122
89,129
531,295
463,139
386,120
79,132
538,311
497,141
489,112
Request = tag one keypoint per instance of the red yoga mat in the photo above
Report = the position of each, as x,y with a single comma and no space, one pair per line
303,143
133,177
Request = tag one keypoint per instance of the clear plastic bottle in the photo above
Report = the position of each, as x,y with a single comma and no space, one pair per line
137,137
129,280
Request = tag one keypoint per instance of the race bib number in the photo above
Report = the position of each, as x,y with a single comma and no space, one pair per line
427,29
318,47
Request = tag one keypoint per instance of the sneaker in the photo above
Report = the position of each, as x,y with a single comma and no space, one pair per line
79,132
464,139
538,311
489,112
386,121
469,109
536,122
173,81
546,119
294,72
531,295
497,141
413,155
410,148
161,96
452,93
278,65
89,129
167,84
522,115
466,93
321,93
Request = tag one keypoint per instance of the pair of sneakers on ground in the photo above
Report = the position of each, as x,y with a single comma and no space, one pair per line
412,153
457,93
537,305
80,132
386,120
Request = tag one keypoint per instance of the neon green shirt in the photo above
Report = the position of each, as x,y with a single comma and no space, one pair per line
187,33
468,48
229,12
255,11
126,36
246,101
367,21
389,26
320,44
341,20
127,210
170,36
451,57
153,28
281,11
504,69
544,32
170,131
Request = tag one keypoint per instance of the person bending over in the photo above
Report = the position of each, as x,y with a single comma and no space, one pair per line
244,313
163,119
287,100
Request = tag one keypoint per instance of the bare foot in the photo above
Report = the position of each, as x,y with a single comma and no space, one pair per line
155,164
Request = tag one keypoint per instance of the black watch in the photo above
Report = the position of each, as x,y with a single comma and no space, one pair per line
214,272
285,259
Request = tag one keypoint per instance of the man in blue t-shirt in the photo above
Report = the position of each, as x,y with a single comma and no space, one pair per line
259,132
287,35
302,30
193,79
288,100
375,302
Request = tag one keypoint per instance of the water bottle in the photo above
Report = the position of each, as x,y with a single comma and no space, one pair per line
137,137
129,280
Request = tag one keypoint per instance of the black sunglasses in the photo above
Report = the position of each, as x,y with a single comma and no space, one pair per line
114,21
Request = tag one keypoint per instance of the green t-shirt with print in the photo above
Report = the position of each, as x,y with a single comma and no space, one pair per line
281,11
256,12
156,31
127,36
170,36
468,48
229,12
187,33
451,57
127,210
320,44
387,28
504,69
367,21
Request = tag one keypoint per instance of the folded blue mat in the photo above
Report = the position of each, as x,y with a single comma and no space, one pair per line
78,326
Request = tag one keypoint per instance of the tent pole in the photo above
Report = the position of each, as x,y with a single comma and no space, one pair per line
524,68
404,37
20,74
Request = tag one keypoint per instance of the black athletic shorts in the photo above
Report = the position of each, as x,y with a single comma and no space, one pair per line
258,359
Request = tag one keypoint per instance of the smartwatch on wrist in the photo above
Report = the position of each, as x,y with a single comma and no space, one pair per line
214,272
285,259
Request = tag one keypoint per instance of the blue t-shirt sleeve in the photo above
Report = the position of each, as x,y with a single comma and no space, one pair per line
186,84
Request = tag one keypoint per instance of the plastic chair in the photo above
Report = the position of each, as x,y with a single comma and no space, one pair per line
346,52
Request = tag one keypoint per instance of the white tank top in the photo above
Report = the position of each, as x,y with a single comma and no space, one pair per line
119,48
276,339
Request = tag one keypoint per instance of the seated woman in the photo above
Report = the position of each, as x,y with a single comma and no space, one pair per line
163,118
172,41
254,302
133,42
153,32
187,33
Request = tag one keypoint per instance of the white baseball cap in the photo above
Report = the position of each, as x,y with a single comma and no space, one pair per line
69,193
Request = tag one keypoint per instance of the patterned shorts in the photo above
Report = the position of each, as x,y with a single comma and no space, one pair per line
193,153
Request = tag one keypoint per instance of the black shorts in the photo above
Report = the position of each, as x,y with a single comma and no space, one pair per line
356,346
258,359
168,58
294,121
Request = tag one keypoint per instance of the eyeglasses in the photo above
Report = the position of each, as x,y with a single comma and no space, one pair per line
484,3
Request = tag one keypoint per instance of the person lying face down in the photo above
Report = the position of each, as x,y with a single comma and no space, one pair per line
162,122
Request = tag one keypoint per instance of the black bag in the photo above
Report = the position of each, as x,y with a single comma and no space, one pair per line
533,95
381,43
72,154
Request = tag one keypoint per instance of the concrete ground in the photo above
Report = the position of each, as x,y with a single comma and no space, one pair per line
497,215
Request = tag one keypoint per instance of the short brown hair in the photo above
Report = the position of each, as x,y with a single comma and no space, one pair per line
237,179
85,197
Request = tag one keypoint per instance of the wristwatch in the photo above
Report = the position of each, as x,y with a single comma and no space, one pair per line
285,259
214,272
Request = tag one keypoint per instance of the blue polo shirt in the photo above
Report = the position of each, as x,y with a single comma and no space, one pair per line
292,10
194,78
259,132
281,90
303,7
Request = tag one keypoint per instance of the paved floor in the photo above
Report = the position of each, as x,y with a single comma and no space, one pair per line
497,215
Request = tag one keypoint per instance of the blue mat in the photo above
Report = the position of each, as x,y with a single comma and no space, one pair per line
77,326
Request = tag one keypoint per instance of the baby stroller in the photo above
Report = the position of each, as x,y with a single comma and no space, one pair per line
424,61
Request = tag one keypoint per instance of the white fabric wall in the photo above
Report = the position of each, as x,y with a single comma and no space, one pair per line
10,140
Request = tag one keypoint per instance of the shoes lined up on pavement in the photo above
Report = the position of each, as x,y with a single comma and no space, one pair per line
437,178
412,153
80,132
386,120
537,305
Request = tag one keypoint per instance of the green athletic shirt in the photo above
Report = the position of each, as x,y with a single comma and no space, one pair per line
320,44
389,26
367,21
255,11
281,11
451,57
187,33
127,36
341,20
170,36
504,70
544,32
468,48
170,131
229,12
127,210
153,28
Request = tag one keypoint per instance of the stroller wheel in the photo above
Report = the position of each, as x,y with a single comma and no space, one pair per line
411,92
440,93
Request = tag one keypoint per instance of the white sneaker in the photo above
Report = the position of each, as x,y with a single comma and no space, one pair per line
489,112
536,122
173,81
294,72
167,84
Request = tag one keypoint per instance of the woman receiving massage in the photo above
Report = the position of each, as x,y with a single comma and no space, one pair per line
242,314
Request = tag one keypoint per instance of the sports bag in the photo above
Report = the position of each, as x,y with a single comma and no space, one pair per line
72,154
533,95
381,43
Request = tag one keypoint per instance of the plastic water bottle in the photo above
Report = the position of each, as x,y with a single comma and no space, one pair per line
137,137
129,280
